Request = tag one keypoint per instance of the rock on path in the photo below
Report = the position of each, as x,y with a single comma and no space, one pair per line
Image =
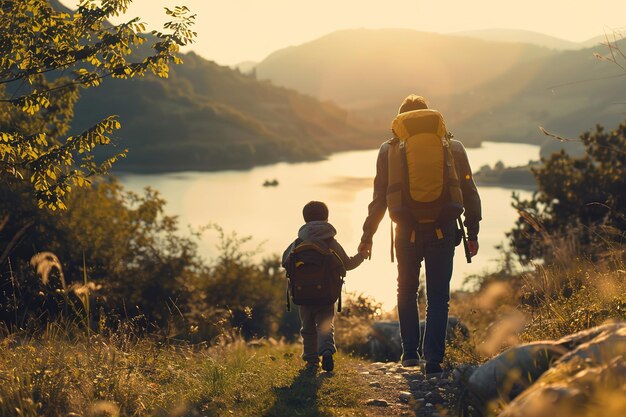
405,392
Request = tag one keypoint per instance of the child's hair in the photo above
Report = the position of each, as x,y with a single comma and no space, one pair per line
315,211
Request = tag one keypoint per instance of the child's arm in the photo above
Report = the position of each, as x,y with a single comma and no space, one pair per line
349,262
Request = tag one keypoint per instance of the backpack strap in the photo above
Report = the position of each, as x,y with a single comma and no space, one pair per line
342,274
290,266
392,243
339,303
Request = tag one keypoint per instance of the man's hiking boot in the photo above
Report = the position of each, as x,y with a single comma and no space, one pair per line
410,359
433,370
327,362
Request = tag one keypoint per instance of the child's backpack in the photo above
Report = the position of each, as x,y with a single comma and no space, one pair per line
423,184
315,275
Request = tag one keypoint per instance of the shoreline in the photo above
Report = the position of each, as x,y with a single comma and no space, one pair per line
143,170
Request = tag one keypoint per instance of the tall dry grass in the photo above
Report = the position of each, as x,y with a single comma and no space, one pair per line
545,303
62,372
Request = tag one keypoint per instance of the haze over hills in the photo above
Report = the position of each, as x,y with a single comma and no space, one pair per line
487,90
530,37
371,70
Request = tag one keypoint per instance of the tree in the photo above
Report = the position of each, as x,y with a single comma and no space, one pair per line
46,55
584,198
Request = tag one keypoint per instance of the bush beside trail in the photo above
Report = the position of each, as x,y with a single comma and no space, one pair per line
133,261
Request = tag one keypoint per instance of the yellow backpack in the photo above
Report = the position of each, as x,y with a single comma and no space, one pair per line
423,185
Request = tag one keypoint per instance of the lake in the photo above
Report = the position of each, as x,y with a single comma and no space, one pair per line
237,201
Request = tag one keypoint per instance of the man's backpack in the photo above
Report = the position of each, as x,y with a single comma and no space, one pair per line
423,185
315,275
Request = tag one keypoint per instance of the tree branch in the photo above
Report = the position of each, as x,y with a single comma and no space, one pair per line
4,221
14,241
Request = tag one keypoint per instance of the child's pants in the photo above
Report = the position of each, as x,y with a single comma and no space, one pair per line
317,331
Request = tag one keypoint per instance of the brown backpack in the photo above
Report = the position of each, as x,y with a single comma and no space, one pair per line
314,275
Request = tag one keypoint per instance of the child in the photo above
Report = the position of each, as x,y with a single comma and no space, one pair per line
317,320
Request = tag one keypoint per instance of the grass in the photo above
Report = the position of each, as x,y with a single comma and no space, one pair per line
119,375
544,304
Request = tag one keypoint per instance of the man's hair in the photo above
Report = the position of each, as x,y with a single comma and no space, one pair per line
413,102
315,211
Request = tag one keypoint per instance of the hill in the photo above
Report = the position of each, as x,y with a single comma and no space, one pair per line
209,117
566,93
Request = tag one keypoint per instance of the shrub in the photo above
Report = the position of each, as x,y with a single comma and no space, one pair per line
579,204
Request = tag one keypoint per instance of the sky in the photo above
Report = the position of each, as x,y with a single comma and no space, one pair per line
234,31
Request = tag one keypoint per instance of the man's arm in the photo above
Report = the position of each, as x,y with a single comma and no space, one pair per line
376,209
471,199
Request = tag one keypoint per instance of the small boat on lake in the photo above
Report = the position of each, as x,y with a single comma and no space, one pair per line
272,183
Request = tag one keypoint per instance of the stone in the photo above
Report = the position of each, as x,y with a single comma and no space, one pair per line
530,375
510,372
565,390
405,396
433,397
377,403
375,384
574,340
610,343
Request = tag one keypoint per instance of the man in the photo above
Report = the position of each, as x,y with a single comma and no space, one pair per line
431,238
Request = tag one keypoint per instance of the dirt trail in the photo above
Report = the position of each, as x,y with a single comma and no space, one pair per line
405,392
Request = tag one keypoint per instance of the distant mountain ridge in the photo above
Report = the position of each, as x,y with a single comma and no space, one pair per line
529,37
370,71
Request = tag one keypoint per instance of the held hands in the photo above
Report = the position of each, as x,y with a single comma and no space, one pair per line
472,245
365,249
